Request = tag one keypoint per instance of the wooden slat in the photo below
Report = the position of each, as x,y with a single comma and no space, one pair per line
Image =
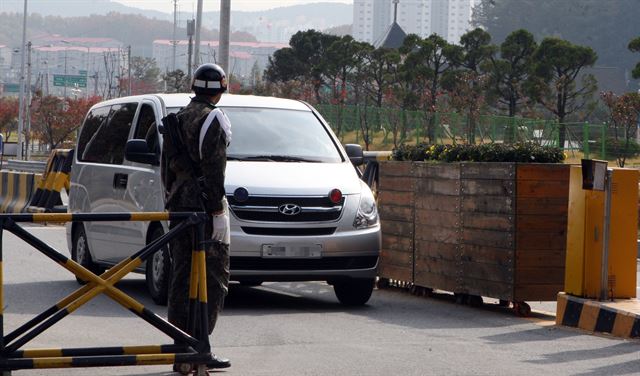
396,213
500,239
436,218
396,183
437,170
445,251
556,239
438,202
555,206
404,259
497,290
541,223
438,266
437,234
537,188
484,221
438,186
531,292
540,258
395,168
395,198
488,204
436,281
543,171
488,170
487,272
546,275
395,272
397,228
487,254
477,187
397,243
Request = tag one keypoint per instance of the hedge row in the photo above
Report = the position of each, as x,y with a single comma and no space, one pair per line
521,152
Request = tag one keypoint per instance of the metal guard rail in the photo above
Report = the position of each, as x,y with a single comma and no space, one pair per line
193,347
37,167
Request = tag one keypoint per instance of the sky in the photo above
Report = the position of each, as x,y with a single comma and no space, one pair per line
213,5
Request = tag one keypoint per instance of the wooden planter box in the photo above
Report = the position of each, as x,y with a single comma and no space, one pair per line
486,229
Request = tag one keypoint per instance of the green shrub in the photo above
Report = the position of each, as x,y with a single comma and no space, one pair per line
528,152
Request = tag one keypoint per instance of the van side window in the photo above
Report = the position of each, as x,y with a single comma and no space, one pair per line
145,119
107,143
146,128
95,119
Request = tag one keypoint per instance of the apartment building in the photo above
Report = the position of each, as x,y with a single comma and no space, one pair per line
447,18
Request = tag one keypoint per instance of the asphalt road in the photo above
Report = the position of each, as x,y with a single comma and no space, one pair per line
299,329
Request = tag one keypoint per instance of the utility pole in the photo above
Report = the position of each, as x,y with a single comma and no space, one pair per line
191,26
28,103
129,68
174,41
225,21
21,101
196,50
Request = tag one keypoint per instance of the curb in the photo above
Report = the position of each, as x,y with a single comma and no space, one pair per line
593,316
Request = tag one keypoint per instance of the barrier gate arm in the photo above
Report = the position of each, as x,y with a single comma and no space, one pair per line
196,348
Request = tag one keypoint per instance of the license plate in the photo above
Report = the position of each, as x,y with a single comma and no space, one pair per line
292,250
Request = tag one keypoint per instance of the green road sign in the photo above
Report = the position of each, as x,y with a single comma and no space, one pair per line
11,88
69,80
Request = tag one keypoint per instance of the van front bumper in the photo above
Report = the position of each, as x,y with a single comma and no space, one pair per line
343,254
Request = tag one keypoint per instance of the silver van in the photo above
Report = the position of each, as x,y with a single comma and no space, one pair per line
299,211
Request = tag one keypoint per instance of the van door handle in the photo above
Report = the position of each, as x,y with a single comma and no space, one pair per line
120,181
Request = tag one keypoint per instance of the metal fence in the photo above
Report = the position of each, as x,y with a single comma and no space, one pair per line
388,127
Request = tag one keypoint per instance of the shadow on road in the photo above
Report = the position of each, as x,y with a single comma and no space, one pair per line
392,306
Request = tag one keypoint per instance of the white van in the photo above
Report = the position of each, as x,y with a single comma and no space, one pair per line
299,211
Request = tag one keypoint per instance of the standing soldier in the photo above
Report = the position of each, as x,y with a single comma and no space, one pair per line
194,181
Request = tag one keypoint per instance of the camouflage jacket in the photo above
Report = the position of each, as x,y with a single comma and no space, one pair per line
182,189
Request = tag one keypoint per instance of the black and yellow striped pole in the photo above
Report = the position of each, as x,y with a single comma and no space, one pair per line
194,348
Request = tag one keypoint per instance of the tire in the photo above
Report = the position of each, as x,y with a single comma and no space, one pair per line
80,253
158,272
354,292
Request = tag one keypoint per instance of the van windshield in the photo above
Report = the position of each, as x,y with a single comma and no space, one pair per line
279,135
269,134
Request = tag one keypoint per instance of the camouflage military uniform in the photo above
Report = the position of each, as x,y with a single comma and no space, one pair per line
183,195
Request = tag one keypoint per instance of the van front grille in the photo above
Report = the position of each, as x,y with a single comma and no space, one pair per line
301,209
277,231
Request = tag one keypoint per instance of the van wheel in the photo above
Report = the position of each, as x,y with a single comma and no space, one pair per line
80,254
354,292
158,272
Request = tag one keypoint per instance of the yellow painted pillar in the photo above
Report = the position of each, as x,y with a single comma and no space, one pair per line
585,236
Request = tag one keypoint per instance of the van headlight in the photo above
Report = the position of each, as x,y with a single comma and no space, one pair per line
367,215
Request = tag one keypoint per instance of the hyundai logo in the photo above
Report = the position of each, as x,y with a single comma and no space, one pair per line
289,209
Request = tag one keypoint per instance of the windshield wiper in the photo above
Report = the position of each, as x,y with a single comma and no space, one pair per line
271,157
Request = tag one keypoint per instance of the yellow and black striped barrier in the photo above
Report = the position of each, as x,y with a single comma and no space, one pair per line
17,190
595,316
56,176
193,348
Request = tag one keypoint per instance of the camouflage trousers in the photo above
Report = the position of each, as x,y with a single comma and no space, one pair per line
217,276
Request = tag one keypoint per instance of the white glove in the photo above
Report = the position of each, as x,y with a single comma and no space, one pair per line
221,231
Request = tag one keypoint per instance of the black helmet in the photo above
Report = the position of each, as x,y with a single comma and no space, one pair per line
209,79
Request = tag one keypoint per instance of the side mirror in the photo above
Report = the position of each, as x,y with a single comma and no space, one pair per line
354,151
137,150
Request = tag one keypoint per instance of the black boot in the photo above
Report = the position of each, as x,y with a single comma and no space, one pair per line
218,362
